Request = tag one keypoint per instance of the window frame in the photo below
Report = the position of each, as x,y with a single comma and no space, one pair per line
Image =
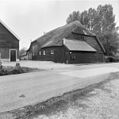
52,52
40,53
44,52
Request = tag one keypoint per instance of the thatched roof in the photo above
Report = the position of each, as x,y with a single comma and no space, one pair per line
55,36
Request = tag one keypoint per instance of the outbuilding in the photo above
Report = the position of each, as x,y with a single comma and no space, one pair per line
9,44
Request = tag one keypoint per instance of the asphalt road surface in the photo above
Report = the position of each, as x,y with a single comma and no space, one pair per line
30,88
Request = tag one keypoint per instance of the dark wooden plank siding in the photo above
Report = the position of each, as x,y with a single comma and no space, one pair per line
6,41
57,56
85,57
60,54
4,53
63,55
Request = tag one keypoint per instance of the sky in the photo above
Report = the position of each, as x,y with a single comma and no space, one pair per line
30,19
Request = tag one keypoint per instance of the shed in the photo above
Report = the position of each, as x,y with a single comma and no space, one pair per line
9,44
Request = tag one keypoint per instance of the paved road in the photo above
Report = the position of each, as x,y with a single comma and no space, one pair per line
20,90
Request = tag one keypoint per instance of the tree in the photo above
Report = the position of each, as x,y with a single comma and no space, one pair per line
22,51
100,21
107,29
106,19
73,17
84,18
110,42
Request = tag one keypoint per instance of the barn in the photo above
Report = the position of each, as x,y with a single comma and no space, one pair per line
71,43
32,52
9,44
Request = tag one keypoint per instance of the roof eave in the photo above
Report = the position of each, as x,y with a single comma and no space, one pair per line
78,50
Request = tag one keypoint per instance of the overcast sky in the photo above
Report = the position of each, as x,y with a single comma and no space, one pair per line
29,19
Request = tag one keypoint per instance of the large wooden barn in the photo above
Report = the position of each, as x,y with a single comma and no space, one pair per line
71,43
9,44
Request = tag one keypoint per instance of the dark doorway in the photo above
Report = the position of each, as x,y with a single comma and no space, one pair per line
12,55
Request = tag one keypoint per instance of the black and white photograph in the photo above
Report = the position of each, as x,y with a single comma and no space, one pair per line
59,59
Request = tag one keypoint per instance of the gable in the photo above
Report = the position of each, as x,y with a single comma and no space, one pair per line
34,47
7,39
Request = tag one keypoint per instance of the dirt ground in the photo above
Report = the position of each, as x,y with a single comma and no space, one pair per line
98,101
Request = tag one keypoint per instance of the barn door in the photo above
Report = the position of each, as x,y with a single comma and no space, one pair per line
13,55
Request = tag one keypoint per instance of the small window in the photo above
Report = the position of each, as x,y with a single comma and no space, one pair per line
73,57
39,52
44,52
52,52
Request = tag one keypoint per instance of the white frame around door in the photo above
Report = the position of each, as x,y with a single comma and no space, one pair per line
10,53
